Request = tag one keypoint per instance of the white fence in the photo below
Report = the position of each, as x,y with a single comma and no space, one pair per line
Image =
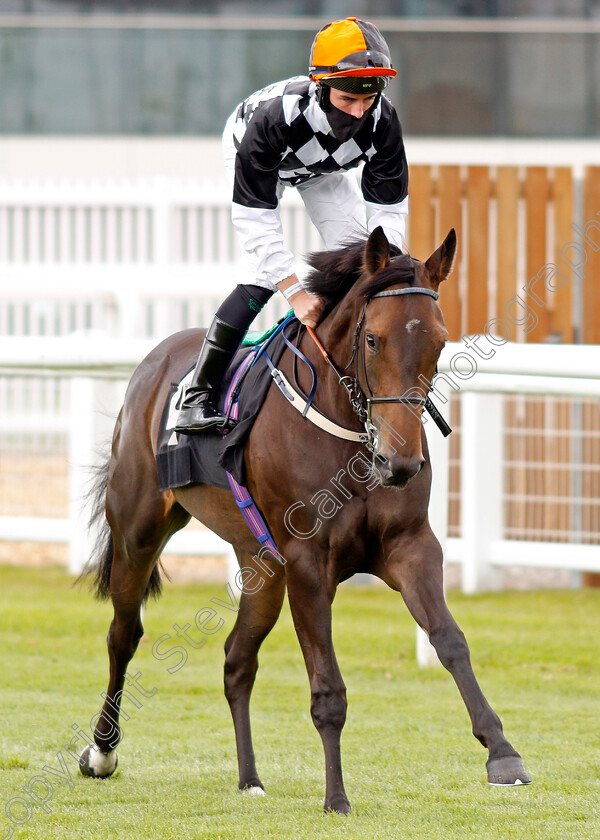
96,369
140,259
136,259
518,369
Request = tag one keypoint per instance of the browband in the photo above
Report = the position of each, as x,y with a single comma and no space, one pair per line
412,290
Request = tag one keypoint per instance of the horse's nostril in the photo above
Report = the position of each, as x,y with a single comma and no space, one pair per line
397,471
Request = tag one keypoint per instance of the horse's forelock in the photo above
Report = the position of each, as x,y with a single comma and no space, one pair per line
334,273
401,269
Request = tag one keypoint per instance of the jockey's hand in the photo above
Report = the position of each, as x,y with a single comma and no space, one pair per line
307,307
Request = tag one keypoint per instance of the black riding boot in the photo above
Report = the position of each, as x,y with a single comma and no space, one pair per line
198,412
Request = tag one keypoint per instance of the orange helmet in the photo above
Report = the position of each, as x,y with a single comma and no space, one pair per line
349,47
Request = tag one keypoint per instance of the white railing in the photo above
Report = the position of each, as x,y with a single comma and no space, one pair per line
136,259
481,550
97,369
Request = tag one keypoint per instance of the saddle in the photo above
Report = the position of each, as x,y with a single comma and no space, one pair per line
209,458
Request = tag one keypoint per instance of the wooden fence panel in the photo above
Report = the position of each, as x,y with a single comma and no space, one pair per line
507,214
478,197
525,214
591,335
561,324
450,216
591,286
421,216
536,201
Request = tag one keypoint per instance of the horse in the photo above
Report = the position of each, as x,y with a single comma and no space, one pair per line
382,332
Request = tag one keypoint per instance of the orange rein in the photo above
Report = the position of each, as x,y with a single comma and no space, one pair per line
315,338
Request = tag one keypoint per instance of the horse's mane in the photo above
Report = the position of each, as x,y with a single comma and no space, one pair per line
334,273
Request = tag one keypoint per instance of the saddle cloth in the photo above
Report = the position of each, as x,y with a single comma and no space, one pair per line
207,458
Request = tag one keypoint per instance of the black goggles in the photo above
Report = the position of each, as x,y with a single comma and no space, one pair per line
357,61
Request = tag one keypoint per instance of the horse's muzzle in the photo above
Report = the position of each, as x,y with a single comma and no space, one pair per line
398,471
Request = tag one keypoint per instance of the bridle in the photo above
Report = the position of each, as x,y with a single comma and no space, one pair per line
362,402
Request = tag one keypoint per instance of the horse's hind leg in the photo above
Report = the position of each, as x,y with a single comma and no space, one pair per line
123,637
415,568
257,615
140,525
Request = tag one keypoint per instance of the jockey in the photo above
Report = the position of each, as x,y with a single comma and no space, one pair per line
307,133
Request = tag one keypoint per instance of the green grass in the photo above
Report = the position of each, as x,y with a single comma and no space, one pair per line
412,768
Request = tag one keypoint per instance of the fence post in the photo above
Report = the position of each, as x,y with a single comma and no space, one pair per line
481,488
439,456
162,222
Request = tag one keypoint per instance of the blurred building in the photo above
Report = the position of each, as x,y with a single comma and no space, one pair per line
471,68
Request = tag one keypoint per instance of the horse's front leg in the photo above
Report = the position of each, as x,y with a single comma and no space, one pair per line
257,615
311,610
414,566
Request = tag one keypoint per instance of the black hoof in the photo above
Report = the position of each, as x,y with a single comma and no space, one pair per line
338,805
93,762
507,771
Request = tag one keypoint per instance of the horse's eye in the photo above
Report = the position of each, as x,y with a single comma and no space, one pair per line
372,342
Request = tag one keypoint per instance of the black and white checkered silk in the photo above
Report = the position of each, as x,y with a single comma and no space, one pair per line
282,135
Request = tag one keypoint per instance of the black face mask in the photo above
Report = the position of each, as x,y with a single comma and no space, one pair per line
344,126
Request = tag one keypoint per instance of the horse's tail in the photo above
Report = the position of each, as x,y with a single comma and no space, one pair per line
100,563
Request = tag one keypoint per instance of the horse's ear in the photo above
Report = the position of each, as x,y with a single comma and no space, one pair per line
377,251
439,264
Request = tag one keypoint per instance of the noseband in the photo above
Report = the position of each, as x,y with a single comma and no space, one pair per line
362,402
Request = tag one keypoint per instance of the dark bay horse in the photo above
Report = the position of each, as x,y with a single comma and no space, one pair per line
384,332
